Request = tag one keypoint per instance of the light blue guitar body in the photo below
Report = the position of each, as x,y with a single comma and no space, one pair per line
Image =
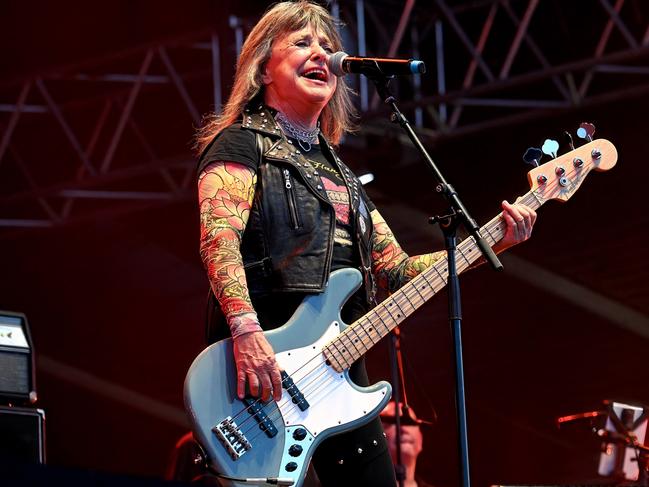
239,447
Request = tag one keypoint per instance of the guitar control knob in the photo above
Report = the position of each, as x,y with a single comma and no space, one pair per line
560,171
290,467
542,179
596,153
577,162
299,434
295,450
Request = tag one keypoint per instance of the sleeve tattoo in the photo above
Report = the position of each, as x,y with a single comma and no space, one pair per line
225,192
391,266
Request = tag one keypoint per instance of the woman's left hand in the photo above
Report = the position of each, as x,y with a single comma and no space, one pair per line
520,221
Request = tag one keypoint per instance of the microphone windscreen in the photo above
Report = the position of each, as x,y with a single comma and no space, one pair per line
335,63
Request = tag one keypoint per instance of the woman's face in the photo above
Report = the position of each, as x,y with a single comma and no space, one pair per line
297,71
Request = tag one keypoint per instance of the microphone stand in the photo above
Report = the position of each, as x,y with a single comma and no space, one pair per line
457,215
399,385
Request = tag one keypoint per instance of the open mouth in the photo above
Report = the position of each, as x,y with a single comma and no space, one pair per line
315,74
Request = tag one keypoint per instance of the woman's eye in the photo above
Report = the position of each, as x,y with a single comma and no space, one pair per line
328,49
302,43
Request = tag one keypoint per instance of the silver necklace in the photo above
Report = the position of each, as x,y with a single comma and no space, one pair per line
305,138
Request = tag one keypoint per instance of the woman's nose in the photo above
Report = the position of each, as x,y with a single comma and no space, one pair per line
318,52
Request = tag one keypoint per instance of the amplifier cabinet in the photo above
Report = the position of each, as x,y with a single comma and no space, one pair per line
17,378
22,435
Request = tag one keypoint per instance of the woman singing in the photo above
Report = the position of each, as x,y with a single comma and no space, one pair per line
280,211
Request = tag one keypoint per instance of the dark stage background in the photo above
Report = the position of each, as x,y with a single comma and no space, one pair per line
115,297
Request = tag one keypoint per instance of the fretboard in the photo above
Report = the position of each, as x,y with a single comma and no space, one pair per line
365,332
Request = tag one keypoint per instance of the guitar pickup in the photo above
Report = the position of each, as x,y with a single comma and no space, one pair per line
233,439
297,397
256,408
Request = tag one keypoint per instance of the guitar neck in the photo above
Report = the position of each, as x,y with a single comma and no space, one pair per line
365,332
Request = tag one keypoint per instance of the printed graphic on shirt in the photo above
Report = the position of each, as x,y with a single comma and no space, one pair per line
339,197
327,169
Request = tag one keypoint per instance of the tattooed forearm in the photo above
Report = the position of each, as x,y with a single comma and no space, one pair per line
225,193
390,264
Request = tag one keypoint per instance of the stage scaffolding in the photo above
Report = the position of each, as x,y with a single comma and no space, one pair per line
113,134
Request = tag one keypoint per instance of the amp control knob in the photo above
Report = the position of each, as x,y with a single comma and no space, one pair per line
299,434
290,466
295,450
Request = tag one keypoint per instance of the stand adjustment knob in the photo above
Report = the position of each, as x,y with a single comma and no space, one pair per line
290,467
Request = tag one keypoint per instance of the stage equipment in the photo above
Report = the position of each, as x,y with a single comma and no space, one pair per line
17,378
624,456
22,435
624,453
402,415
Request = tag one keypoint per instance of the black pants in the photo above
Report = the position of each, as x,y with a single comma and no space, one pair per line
358,458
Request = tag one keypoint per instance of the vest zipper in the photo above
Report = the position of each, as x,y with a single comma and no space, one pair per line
290,198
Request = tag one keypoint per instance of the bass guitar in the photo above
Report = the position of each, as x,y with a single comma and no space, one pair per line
251,442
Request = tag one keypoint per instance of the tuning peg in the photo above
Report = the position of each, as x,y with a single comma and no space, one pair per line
586,131
550,147
568,138
533,156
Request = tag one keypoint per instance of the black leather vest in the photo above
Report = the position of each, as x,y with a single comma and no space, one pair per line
288,242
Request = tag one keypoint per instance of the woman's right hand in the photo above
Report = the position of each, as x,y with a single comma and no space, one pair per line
256,364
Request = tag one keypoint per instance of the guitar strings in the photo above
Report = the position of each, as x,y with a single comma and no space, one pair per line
321,384
408,293
375,311
531,199
408,288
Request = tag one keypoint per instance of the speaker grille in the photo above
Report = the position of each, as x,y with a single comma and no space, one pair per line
14,372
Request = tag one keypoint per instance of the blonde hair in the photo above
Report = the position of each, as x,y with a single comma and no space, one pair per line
336,118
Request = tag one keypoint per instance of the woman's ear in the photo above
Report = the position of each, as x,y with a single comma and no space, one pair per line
265,77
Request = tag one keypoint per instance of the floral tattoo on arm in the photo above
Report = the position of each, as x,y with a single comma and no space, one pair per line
390,264
225,193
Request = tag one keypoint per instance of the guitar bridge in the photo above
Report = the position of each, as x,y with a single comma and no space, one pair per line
233,439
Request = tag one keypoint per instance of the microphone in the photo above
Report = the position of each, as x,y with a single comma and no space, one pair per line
341,63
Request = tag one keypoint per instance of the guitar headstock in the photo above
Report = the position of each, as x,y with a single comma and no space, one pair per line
561,177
